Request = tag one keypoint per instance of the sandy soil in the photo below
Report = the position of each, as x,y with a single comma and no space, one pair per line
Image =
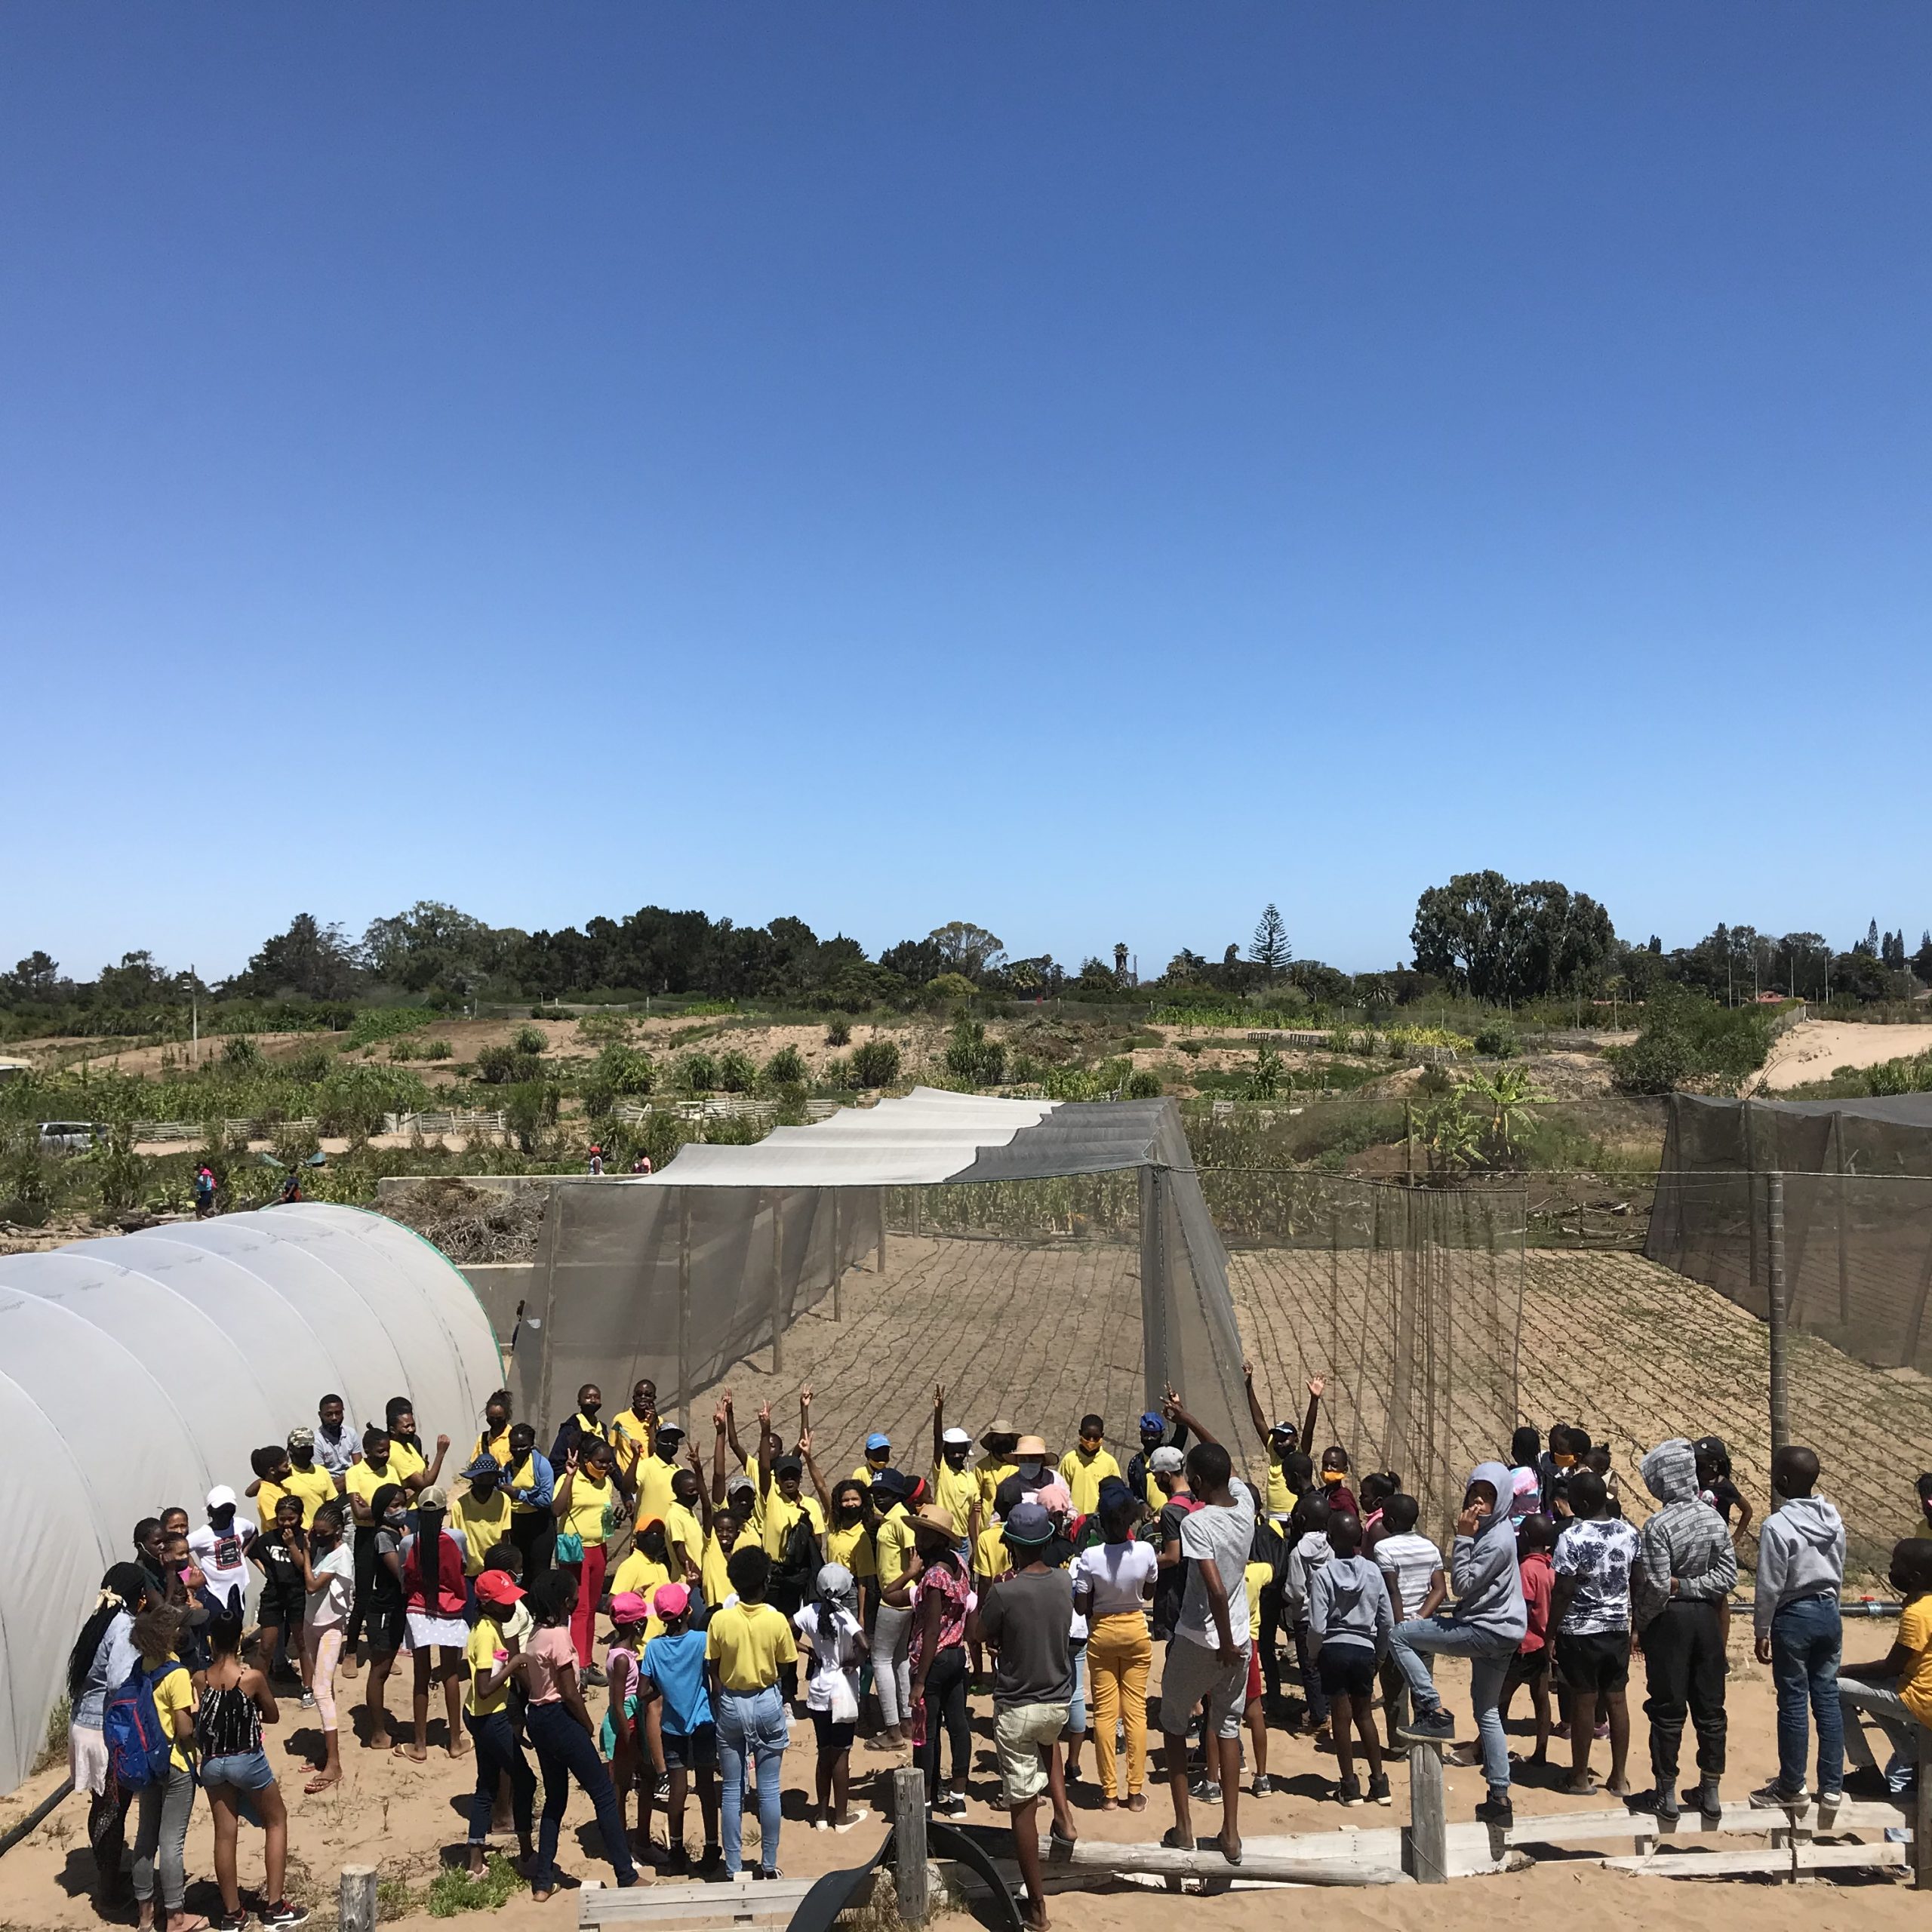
1817,1049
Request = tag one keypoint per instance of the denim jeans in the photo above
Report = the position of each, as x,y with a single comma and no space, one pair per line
751,1724
1489,1657
1879,1700
499,1755
565,1750
1807,1637
892,1669
160,1837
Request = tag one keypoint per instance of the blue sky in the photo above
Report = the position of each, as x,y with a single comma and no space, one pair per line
1087,469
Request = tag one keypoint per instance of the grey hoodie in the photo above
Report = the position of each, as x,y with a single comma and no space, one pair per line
1800,1553
1482,1568
1685,1539
1305,1561
1348,1603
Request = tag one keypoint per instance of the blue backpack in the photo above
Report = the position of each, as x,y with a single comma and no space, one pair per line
139,1750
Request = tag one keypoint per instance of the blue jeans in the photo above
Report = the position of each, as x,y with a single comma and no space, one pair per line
751,1724
564,1751
1489,1659
498,1756
1807,1637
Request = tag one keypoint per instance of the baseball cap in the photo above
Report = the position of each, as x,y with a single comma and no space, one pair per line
431,1498
671,1599
671,1428
1030,1525
221,1497
301,1438
498,1588
733,1484
1167,1462
1286,1428
1150,1419
628,1607
876,1441
485,1465
788,1466
834,1580
958,1438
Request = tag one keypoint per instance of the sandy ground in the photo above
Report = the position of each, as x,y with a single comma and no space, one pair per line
1816,1049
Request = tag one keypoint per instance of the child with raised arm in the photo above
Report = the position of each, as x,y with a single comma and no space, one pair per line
1348,1623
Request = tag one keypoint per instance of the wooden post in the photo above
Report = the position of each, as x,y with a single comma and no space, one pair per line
882,1231
685,1307
777,1280
357,1905
1775,1304
1409,1141
1921,1817
908,1844
1425,1838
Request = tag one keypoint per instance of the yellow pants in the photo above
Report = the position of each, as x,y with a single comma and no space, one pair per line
1119,1653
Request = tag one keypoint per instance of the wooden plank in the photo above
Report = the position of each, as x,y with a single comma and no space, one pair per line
1425,1851
1206,1862
1704,1864
1843,1857
1921,1808
740,1901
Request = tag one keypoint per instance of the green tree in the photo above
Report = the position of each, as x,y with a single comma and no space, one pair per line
1269,948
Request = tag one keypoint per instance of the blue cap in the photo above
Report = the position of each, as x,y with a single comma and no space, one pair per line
1030,1525
1151,1420
876,1441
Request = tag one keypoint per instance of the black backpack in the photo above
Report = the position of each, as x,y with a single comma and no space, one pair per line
795,1572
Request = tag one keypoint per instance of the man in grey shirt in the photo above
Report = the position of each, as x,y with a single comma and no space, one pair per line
1686,1568
1027,1621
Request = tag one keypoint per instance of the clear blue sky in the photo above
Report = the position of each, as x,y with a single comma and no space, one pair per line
1089,469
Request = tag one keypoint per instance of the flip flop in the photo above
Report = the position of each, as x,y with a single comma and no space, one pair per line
1172,1841
1233,1857
319,1783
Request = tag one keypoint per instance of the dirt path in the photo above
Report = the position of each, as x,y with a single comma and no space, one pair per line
1816,1049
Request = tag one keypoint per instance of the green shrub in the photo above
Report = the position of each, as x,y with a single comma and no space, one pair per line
785,1068
240,1053
1686,1038
835,1076
436,1050
500,1066
531,1040
453,1890
1143,1085
972,1057
838,1031
874,1063
624,1069
118,1169
26,1186
697,1073
736,1074
1498,1041
384,1022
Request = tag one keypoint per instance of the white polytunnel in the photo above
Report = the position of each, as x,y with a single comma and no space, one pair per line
138,1371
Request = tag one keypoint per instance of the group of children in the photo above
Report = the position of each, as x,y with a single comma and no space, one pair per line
891,1588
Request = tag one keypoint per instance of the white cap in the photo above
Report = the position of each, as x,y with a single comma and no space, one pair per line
221,1497
958,1438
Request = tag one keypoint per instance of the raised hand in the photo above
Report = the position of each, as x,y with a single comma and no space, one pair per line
765,1417
570,1461
442,1444
938,1397
718,1419
1316,1383
805,1396
805,1444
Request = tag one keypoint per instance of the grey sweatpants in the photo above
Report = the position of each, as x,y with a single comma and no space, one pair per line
161,1830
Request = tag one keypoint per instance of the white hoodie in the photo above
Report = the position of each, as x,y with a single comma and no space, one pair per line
1800,1553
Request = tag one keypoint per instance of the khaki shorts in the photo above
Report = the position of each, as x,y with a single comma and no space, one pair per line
1023,1734
1191,1674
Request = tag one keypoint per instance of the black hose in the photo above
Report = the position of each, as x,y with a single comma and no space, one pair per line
27,1824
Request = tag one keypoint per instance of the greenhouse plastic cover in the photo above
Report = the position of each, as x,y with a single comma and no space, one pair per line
138,1372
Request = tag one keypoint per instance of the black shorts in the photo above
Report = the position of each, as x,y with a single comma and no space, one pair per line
1598,1662
691,1751
832,1738
284,1612
1526,1668
1346,1670
384,1629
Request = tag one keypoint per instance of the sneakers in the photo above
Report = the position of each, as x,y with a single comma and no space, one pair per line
1378,1788
1773,1797
768,1872
859,1813
281,1913
1660,1805
1435,1727
308,1700
660,1792
952,1803
1497,1812
229,1922
1349,1791
1704,1797
1207,1789
1263,1785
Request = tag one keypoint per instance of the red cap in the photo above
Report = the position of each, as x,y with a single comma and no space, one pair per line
498,1589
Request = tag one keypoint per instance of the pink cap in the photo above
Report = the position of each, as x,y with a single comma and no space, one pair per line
628,1607
671,1599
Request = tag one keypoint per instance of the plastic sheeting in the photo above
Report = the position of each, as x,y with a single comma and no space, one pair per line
137,1373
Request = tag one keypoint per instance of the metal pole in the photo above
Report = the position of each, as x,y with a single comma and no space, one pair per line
685,1307
1842,1205
880,1268
777,1280
838,1264
1774,1230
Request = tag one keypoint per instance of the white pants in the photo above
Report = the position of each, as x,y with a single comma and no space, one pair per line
892,1663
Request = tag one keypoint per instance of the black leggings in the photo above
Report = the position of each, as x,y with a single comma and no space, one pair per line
534,1532
365,1584
946,1703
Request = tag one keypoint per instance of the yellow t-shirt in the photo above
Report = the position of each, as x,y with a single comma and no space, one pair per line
780,1516
991,1472
956,1491
267,1495
482,1524
497,1447
892,1546
364,1479
653,1477
747,1642
405,1461
853,1548
629,1427
589,1500
992,1559
314,1485
1260,1575
640,1573
1281,1498
684,1531
1916,1680
1083,1474
175,1692
524,1476
716,1584
485,1640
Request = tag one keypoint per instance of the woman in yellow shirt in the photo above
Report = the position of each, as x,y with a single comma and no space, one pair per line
481,1512
848,1541
414,1469
494,1441
586,1509
645,1571
161,1833
532,1484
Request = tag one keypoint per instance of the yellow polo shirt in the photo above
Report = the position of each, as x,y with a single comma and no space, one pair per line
748,1642
1083,1474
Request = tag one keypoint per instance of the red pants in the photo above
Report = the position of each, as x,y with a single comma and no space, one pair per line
589,1575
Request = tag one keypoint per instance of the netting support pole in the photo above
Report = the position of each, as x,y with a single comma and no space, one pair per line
1775,1302
777,1280
1157,1371
685,1308
882,1231
838,1265
1842,1204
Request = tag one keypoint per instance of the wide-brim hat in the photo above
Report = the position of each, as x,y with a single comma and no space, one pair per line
999,1426
938,1522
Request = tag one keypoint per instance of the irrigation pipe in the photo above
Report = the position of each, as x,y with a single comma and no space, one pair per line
28,1823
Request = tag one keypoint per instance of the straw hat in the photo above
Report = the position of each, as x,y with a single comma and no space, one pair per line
938,1520
1030,1449
999,1426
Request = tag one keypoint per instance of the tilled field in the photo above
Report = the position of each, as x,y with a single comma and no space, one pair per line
1043,1332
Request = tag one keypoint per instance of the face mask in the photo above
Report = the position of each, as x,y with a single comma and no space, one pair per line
397,1518
1331,1476
1563,1462
591,1408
